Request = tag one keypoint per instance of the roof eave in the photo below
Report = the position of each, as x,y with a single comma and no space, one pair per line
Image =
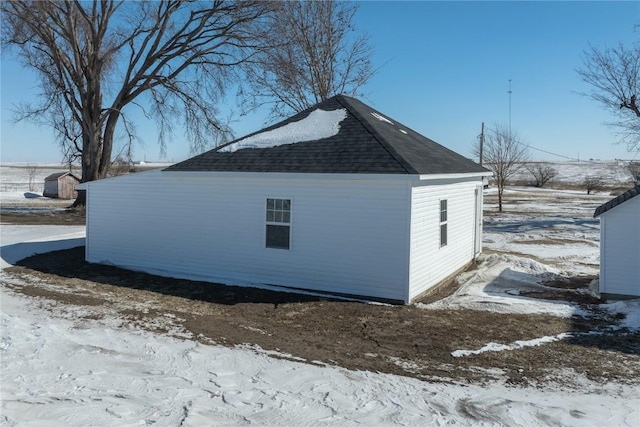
289,175
426,177
617,201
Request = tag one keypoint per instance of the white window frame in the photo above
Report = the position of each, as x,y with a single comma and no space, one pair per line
278,221
443,223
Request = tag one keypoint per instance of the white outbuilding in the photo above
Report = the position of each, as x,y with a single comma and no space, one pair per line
620,245
338,198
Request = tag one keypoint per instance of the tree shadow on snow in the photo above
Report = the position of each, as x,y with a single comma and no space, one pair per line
537,224
72,265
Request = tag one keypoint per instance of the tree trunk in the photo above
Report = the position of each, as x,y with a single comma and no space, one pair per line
96,155
500,199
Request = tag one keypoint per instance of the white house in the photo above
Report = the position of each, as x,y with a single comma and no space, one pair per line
338,198
620,245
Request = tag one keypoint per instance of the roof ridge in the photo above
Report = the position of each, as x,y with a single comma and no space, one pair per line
356,114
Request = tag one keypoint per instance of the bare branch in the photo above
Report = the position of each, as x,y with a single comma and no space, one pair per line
542,174
504,154
614,77
95,60
312,56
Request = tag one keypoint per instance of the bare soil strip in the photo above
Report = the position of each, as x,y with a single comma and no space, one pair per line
36,217
403,340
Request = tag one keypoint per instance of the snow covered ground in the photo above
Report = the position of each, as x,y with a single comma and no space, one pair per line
58,371
574,172
61,367
553,226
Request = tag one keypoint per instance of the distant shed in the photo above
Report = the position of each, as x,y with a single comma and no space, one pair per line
620,245
61,185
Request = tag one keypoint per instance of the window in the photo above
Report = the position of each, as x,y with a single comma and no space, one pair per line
278,233
443,223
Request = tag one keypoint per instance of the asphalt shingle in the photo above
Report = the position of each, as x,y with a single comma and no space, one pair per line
366,143
629,194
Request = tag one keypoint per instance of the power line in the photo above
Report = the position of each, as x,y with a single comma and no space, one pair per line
545,151
537,149
548,152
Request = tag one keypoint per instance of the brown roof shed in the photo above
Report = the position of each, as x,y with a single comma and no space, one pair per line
61,185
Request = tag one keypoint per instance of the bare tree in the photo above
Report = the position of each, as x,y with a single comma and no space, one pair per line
542,174
32,170
592,183
98,60
634,170
614,77
504,154
120,166
313,56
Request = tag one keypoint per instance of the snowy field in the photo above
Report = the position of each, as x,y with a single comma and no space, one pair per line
551,226
611,172
15,177
22,184
61,367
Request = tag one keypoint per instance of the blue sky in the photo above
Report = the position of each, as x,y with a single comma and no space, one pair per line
444,67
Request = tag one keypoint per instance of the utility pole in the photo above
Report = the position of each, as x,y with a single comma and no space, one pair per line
509,92
481,143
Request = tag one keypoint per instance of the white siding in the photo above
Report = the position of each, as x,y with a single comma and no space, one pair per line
430,263
620,249
347,235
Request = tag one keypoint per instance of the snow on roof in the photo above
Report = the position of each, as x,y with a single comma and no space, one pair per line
349,137
319,124
381,117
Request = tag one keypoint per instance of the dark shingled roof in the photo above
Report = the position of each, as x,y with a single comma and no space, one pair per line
629,194
364,144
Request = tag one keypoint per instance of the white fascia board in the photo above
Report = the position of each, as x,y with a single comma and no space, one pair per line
455,175
332,176
85,185
290,175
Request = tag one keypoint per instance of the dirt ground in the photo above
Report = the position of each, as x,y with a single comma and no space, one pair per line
404,340
44,217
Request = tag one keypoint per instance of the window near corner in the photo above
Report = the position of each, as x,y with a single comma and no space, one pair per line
278,230
443,223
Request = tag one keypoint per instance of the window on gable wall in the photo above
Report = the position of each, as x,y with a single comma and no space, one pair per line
443,223
278,230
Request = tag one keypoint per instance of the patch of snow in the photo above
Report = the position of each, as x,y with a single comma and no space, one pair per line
631,310
381,118
257,330
319,124
276,353
555,226
513,346
497,283
22,241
